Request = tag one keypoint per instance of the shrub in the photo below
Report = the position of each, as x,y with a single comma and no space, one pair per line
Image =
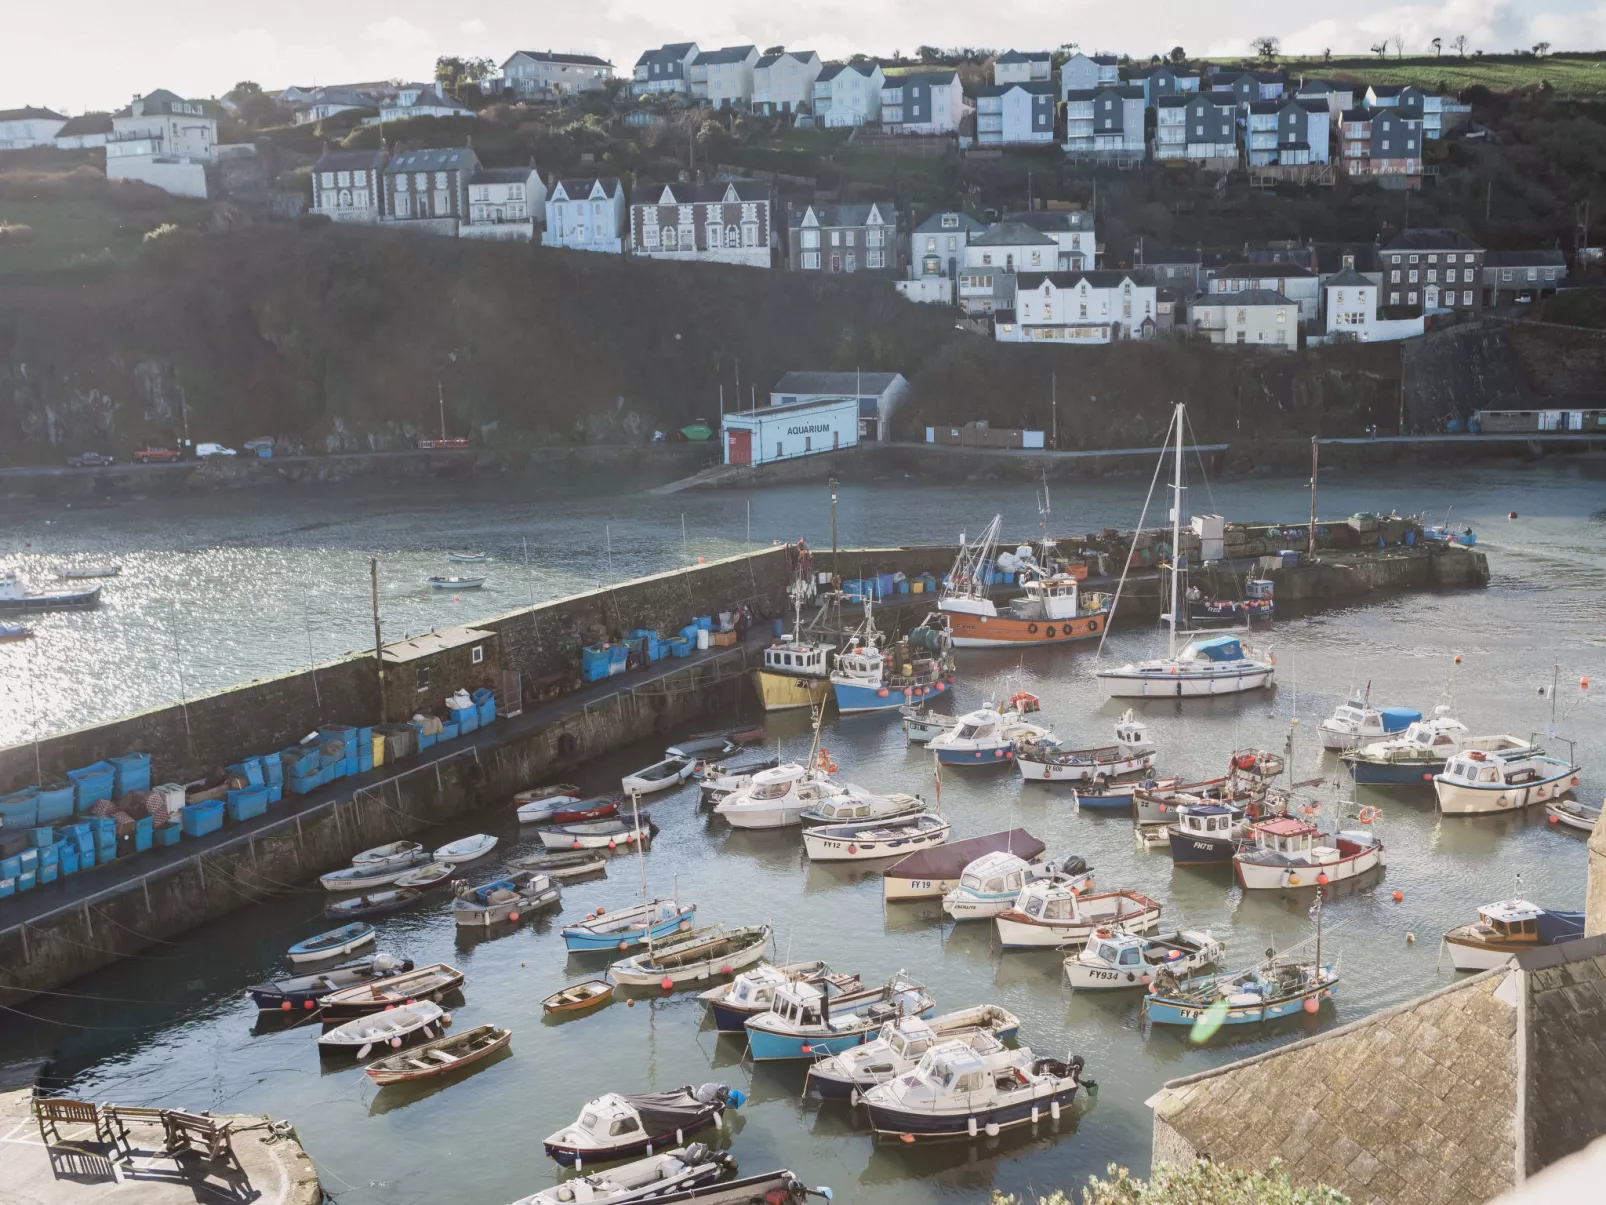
1202,1184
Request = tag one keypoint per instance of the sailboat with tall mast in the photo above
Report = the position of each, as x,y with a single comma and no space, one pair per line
1217,664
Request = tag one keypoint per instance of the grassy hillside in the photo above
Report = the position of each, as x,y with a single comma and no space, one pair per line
1571,75
78,219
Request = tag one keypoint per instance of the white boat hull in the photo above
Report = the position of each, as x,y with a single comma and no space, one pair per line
786,816
1038,771
822,847
1184,685
1468,799
1037,934
637,971
1095,977
1476,958
1336,740
1254,877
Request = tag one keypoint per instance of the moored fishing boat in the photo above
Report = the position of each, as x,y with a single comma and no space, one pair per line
753,991
1118,794
1264,993
1043,759
375,903
660,776
1051,609
466,849
578,998
302,991
932,873
1206,834
1286,852
393,1027
597,834
17,595
1258,602
1356,722
453,1053
618,1125
332,944
509,898
868,675
993,882
1246,784
454,583
1509,927
629,926
1478,783
988,735
1414,756
921,724
656,1178
957,1092
873,839
853,807
537,805
1113,960
805,1021
1052,912
14,631
372,874
422,983
900,1045
693,957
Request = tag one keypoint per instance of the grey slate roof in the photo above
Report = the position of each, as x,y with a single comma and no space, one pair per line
346,161
159,101
1387,89
1359,113
1023,56
1348,278
1431,239
29,113
501,175
843,215
1106,60
725,54
1035,87
1537,258
829,72
1265,106
1011,234
689,194
936,78
933,224
1247,297
1179,101
578,187
1048,220
87,123
1099,278
1259,270
1330,257
553,56
668,52
439,159
848,384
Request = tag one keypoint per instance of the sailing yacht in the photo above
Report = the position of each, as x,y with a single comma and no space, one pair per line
1207,665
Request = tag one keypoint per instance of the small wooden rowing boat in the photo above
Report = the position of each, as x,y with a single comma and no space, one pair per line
580,997
302,991
455,583
872,839
659,776
536,806
396,1025
426,876
684,1173
452,1053
375,903
14,631
396,850
1573,814
74,573
504,899
372,874
694,957
425,983
466,849
332,944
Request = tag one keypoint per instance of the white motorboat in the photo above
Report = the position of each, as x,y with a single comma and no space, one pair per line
1509,927
1357,722
597,834
372,874
1421,751
17,595
901,1044
466,849
1286,852
657,1176
956,1092
466,557
390,1028
869,840
395,851
517,894
987,736
617,1126
1122,960
1478,783
854,807
753,991
1051,912
993,882
693,957
778,798
1043,759
659,776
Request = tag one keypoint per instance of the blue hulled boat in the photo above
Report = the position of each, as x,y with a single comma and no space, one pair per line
869,676
629,926
1264,993
805,1023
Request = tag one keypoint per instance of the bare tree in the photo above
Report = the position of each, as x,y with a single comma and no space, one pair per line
1327,55
1399,44
1380,48
1438,46
1460,44
1267,47
1541,49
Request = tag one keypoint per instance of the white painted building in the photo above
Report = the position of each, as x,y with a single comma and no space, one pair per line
1085,73
1350,302
1294,281
85,130
419,100
771,433
1253,318
1023,67
922,102
546,73
347,186
326,102
848,94
164,140
724,77
504,203
937,247
784,82
998,253
878,395
1079,308
1073,230
586,214
28,126
1015,114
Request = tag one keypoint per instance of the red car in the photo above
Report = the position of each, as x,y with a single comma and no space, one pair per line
156,455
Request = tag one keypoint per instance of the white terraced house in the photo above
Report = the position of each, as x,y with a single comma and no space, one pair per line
784,82
1015,114
923,102
504,203
586,214
998,253
1023,67
848,94
1078,308
724,77
1253,318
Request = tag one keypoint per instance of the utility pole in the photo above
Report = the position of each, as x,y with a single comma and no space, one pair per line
738,380
833,526
1310,548
440,396
1054,411
379,644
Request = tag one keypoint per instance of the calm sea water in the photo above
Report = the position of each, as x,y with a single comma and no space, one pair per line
232,587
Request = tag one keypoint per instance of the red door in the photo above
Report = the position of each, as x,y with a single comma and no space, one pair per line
740,448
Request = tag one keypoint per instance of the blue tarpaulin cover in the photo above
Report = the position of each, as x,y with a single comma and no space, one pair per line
1220,648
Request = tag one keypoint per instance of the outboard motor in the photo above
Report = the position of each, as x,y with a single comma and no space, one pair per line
1073,866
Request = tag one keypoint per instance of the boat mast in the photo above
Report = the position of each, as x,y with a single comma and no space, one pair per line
1176,530
641,855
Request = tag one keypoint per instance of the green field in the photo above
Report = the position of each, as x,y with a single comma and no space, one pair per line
77,233
1572,75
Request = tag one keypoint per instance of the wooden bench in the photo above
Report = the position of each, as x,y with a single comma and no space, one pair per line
74,1112
192,1132
120,1115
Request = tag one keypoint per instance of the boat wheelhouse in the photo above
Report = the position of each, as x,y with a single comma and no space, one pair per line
1287,852
1206,834
932,873
1050,610
795,673
616,1126
805,1022
1054,912
778,798
993,882
1509,927
1123,960
957,1092
753,991
854,807
1477,783
901,1045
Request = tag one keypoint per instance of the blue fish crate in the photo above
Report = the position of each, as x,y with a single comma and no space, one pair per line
467,719
8,887
47,874
425,739
101,825
25,880
705,622
93,783
344,733
365,761
67,857
448,730
203,818
86,859
349,766
43,837
20,809
275,791
250,770
272,769
169,834
10,868
246,805
304,784
48,855
299,759
27,860
56,803
131,772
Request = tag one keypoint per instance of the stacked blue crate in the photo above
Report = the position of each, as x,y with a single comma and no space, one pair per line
104,829
20,809
466,718
56,803
273,776
365,750
131,772
67,856
92,784
203,818
425,739
485,705
144,833
247,804
250,769
448,730
49,864
594,662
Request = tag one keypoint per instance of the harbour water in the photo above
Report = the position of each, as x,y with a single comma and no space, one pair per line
215,588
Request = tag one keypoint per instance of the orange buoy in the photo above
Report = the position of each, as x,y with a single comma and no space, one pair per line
667,983
906,1137
1322,878
1398,896
286,1005
1553,819
1458,658
1312,1004
513,916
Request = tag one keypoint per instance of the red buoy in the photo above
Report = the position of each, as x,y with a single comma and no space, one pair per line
286,1005
1312,1004
1398,896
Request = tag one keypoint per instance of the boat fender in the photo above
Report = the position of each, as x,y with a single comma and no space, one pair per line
623,945
679,1137
992,1129
970,1127
1130,977
1034,1114
1054,1109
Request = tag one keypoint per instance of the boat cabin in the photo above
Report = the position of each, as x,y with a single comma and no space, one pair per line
1511,920
776,783
1116,950
797,658
1050,900
1492,769
861,667
982,725
995,874
1208,820
1053,597
1260,588
1292,838
1214,649
953,1069
607,1121
1131,731
910,1038
845,808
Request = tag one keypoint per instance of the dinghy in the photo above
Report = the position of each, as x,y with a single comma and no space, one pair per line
868,841
602,807
1053,913
302,991
901,1044
563,866
579,998
1117,795
426,876
536,805
804,1022
506,899
694,957
332,944
993,882
467,558
656,1178
597,834
395,851
617,1126
659,776
1573,814
700,748
466,849
372,874
625,927
455,583
375,903
440,1056
958,1092
752,991
1122,960
393,1027
425,983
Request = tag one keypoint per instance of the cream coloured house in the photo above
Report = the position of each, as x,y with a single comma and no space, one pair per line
1251,318
164,140
784,82
505,203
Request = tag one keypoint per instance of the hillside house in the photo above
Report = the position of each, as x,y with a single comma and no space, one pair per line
1286,133
665,69
784,82
1430,270
348,186
542,74
844,238
1329,259
1299,284
1246,87
1337,97
1349,301
505,203
1162,81
427,190
1381,143
1178,268
877,394
1528,275
724,77
1071,229
1015,114
1254,318
586,214
848,94
922,102
1023,67
993,257
1171,127
937,245
165,141
1079,308
1211,128
1087,73
419,100
28,127
85,130
326,102
724,222
1106,123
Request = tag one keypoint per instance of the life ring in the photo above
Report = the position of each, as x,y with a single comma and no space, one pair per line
1031,629
1101,933
1049,631
1366,815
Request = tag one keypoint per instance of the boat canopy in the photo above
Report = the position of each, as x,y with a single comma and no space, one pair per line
1398,719
1220,648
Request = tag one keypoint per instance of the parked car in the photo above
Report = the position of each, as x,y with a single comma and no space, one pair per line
89,460
214,450
157,455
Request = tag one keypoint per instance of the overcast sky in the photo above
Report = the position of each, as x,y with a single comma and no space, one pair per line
97,53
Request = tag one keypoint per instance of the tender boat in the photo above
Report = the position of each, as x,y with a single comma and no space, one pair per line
1358,723
753,991
869,840
17,595
375,903
466,849
617,1126
718,779
1506,928
1477,783
1265,993
901,1044
933,873
1246,784
992,883
467,558
1043,759
1051,609
597,834
302,991
956,1092
1286,852
1573,814
1121,960
455,583
1118,794
332,944
14,631
852,807
1051,912
392,1027
778,798
655,1178
806,1022
625,927
701,748
921,724
537,805
424,983
396,851
987,736
600,807
579,998
452,1053
372,874
570,865
506,899
659,776
1207,834
425,876
693,957
1416,755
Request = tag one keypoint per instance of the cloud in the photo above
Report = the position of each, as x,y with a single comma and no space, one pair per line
399,36
476,26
